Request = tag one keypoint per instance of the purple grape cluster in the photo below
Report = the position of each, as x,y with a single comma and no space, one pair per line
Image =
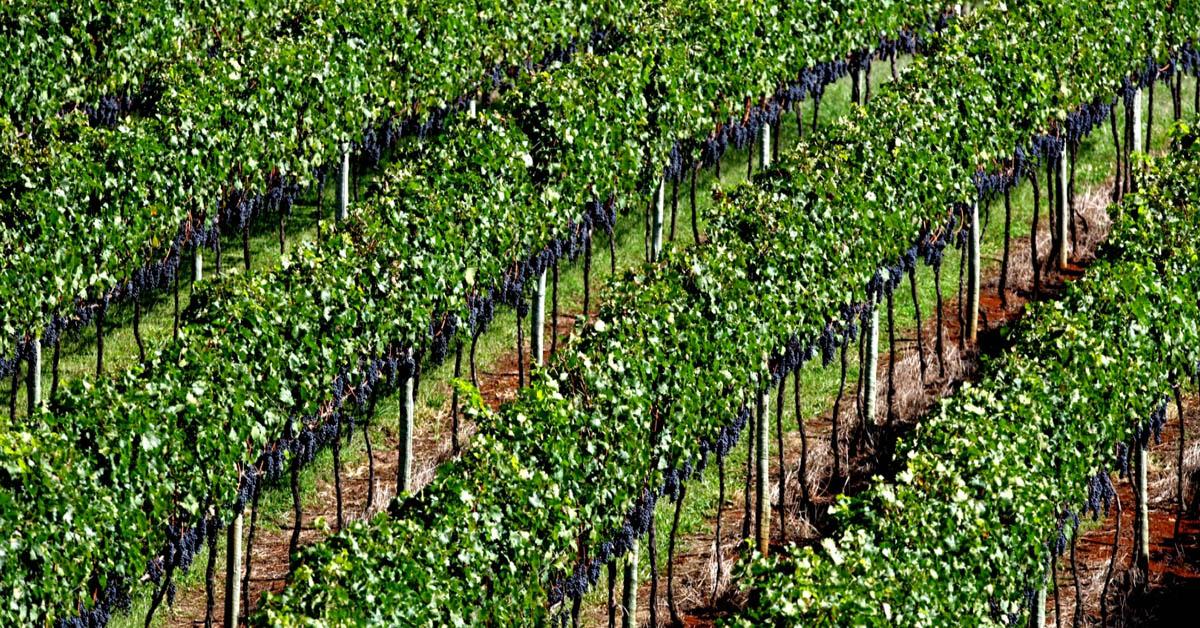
876,285
675,164
1058,545
1149,72
1187,58
1047,147
8,365
1128,90
110,109
108,112
1123,460
441,331
1011,618
728,435
1152,426
115,598
247,488
987,183
1082,121
1100,492
792,357
184,542
932,248
828,344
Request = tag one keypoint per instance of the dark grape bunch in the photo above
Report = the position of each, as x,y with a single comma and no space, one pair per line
1028,599
114,599
111,109
1152,426
1100,491
1123,460
1058,547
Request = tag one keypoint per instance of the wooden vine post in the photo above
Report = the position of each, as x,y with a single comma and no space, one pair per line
629,593
343,187
656,241
1143,511
762,486
1137,124
537,332
404,466
1064,212
233,571
871,367
973,275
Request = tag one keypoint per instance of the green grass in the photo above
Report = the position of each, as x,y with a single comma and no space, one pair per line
819,384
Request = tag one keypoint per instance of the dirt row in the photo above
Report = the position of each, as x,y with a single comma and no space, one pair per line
704,593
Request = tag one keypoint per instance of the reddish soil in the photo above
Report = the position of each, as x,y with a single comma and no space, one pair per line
433,446
1166,598
702,573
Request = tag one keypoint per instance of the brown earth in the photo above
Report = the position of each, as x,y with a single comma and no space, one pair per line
1166,598
705,593
432,444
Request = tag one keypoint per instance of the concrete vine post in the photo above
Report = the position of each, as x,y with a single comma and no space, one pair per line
1143,510
1064,213
198,265
537,332
764,157
233,571
404,468
870,368
629,594
343,187
35,375
656,242
762,485
1137,124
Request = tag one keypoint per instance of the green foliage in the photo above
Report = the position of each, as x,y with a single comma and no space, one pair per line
245,91
677,349
93,483
264,89
964,530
